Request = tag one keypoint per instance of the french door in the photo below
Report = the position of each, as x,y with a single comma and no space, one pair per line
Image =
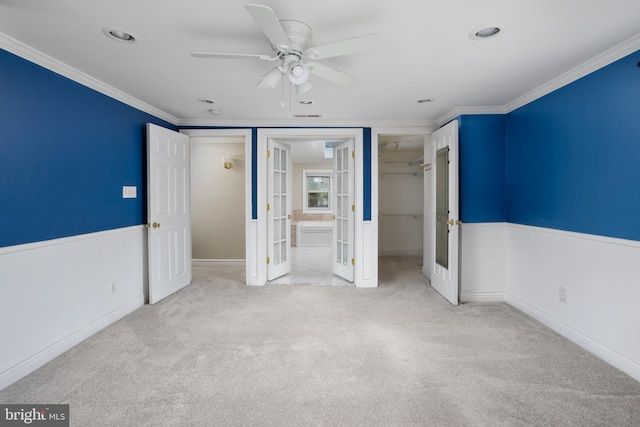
278,209
344,210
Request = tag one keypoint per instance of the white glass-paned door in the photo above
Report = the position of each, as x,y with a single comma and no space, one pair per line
278,210
344,211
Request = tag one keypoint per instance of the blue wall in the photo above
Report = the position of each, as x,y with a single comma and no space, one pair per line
573,156
482,168
67,150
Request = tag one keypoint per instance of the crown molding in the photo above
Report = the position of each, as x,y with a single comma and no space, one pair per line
458,111
27,52
617,52
301,123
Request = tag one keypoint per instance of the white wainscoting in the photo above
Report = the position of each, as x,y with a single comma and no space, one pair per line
56,293
483,251
602,279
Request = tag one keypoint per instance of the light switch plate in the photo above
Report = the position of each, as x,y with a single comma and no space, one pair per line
129,192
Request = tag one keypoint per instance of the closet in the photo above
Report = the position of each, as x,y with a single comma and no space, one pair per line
400,197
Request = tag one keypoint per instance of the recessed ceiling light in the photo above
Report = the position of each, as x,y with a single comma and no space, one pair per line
306,101
206,101
425,100
119,35
485,32
215,112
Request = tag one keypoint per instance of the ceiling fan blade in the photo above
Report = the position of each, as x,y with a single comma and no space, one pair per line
268,22
344,47
329,73
232,56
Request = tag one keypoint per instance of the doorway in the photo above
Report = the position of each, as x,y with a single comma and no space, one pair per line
404,194
313,200
257,240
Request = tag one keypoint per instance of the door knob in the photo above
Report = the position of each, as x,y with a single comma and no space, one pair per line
288,216
450,222
155,225
333,217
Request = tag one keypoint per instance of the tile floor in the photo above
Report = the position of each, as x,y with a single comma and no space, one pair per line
311,266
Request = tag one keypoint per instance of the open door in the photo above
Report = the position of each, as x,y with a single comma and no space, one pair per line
278,210
344,210
446,225
168,211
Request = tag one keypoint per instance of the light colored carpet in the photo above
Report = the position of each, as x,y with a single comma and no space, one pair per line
219,353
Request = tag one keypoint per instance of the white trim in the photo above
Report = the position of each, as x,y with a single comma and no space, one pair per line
27,52
459,111
305,197
575,235
617,52
427,274
65,240
304,124
260,255
614,357
600,274
251,244
70,340
74,302
481,296
207,261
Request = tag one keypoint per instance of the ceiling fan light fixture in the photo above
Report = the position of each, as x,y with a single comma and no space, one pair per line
271,78
298,73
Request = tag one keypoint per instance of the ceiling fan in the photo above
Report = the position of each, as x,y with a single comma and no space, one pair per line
290,41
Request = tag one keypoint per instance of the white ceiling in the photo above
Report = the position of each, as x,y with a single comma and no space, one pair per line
426,53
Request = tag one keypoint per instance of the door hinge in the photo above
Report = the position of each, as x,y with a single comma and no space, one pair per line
268,260
353,154
353,208
353,261
268,207
268,153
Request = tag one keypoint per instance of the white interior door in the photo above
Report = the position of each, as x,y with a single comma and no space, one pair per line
168,211
344,210
446,224
278,209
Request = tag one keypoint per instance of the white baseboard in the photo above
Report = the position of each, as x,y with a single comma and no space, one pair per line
73,338
610,355
219,260
426,273
56,293
482,296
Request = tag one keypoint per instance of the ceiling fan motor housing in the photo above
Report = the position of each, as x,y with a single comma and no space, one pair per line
299,35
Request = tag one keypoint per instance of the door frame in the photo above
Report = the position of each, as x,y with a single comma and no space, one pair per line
365,258
424,131
250,275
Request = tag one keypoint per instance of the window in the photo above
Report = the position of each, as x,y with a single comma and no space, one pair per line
316,190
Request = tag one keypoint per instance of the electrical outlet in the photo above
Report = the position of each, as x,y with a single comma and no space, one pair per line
562,294
113,288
